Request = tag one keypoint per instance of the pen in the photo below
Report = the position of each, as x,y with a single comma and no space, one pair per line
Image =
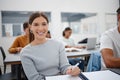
76,64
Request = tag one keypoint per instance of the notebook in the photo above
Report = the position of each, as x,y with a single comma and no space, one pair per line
67,77
117,71
91,43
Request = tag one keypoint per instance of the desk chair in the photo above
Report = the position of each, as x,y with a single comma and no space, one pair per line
7,76
4,56
94,63
0,71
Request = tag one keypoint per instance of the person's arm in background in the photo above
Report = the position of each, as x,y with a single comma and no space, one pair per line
80,47
109,59
14,47
108,54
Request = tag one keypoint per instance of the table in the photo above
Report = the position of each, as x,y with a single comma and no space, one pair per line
14,59
83,53
97,75
102,75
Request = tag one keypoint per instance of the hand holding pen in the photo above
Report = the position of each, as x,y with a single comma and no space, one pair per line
73,70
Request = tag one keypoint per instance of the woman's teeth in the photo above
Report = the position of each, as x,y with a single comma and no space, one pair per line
41,33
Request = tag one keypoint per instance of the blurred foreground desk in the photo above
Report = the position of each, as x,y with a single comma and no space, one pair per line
98,75
102,75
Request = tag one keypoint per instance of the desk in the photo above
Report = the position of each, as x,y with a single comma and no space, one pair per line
98,75
102,75
83,53
14,59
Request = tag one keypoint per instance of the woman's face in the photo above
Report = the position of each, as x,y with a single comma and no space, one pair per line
68,33
39,28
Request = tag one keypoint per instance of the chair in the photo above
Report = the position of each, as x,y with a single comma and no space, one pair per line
4,56
0,71
94,63
10,75
7,76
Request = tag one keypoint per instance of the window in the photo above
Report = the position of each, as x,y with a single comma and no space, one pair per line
12,22
81,23
111,20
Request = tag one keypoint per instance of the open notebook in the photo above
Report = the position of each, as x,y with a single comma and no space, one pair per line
67,77
117,71
72,49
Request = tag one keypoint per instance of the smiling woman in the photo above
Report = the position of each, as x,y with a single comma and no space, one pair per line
44,56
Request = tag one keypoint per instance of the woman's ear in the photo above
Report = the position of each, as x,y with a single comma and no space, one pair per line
30,28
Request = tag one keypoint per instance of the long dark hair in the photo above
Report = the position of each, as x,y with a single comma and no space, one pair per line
31,19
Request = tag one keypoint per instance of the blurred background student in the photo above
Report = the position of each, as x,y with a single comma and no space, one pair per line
21,41
48,35
67,40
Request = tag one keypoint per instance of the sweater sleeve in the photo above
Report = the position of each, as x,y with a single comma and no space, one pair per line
64,64
29,68
13,47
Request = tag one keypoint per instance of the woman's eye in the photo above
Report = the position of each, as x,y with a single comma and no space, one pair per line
44,24
35,24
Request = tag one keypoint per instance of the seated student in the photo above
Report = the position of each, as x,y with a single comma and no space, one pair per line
21,41
69,43
44,56
110,46
48,35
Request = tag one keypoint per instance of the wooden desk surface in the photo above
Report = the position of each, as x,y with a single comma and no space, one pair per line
12,59
15,58
83,53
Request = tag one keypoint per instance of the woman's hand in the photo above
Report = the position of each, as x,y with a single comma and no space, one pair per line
73,70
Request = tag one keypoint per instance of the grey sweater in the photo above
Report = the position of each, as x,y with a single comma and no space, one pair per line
47,59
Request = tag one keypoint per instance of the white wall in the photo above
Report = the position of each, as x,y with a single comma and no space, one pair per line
56,7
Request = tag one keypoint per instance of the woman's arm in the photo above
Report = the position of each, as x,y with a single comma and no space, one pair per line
65,67
29,68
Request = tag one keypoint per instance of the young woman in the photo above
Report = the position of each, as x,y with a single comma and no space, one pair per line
44,56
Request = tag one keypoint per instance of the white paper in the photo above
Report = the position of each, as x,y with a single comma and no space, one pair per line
73,49
102,75
63,77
